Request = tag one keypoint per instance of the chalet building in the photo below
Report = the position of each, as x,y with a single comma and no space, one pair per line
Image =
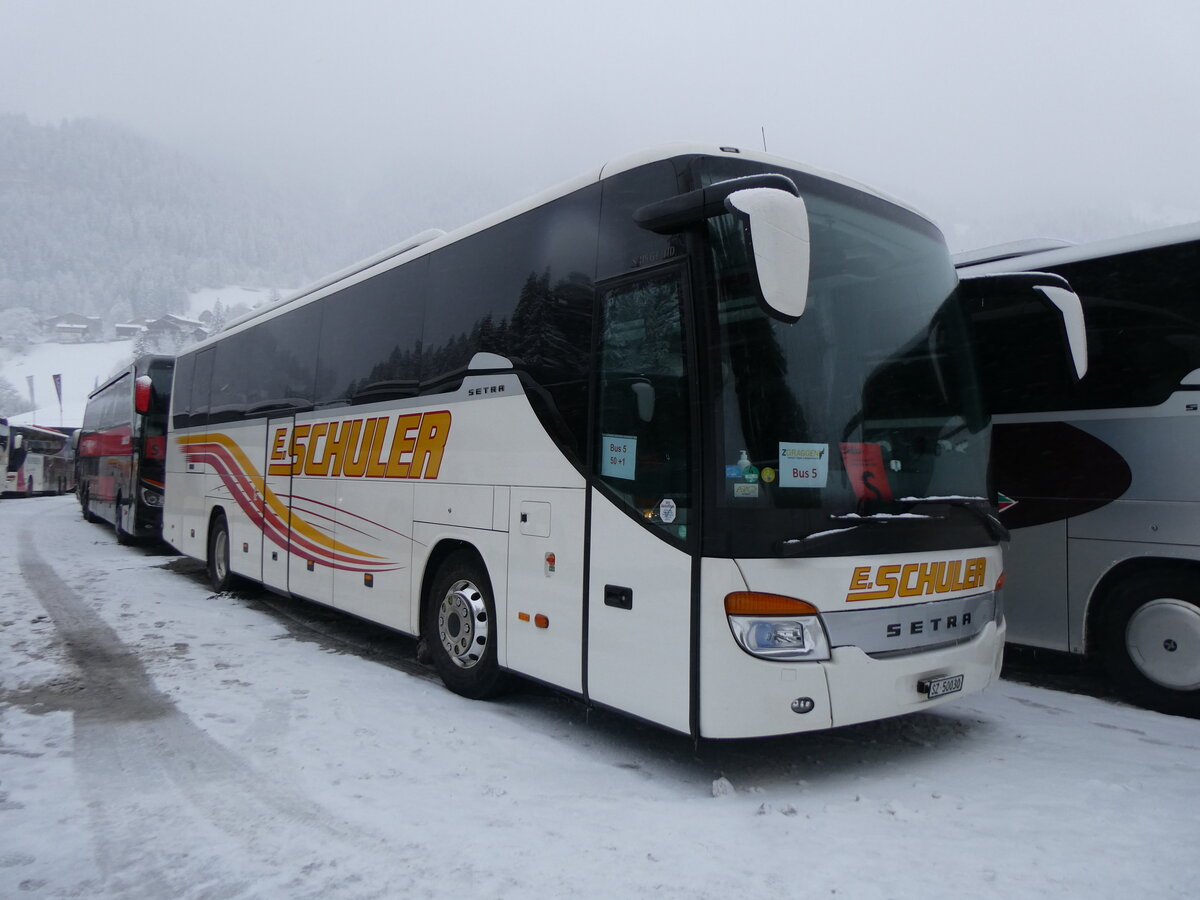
73,328
176,328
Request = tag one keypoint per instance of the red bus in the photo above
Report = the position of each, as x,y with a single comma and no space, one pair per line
122,449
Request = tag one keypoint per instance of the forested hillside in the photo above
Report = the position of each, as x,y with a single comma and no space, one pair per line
99,221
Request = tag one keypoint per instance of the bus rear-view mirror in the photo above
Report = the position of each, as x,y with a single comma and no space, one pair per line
1000,295
143,393
775,224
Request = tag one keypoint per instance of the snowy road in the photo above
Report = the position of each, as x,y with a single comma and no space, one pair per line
157,741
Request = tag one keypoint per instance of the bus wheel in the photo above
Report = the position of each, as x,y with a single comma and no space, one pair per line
86,503
219,575
1151,640
459,627
123,535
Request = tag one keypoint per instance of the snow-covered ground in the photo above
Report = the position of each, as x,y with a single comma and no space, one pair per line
159,741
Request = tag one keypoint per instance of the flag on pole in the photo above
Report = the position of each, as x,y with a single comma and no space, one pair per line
58,390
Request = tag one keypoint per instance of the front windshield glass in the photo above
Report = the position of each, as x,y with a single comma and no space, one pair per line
865,412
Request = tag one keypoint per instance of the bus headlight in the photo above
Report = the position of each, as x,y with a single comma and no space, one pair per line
774,627
151,498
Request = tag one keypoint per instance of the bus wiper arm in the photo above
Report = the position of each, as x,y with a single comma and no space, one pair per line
977,506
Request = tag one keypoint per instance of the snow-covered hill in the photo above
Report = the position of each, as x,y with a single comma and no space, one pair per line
84,366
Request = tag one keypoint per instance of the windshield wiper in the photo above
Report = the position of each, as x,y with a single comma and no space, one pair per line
977,506
809,545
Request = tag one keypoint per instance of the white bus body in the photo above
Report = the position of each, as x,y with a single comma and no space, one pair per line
576,442
1095,478
39,461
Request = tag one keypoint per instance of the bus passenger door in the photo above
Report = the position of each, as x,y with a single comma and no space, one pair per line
275,502
640,575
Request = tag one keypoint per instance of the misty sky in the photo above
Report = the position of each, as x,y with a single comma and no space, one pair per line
999,120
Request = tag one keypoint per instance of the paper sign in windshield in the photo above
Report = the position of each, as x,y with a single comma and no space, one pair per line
868,475
803,465
618,456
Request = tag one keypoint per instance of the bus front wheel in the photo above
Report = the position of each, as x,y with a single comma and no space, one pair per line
219,575
1151,640
459,627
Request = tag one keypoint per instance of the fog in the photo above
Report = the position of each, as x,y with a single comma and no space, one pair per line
1000,121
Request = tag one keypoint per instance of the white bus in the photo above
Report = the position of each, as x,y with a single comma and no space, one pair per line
695,437
1097,477
39,461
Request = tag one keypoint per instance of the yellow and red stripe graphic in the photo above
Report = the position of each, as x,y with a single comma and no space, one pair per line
278,521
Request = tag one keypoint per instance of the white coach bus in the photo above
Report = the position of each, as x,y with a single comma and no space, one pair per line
1097,477
696,437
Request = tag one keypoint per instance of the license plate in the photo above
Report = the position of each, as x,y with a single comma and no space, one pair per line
940,687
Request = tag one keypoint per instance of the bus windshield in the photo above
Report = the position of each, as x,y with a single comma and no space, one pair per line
864,412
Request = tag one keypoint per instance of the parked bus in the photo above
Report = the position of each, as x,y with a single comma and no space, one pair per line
122,449
39,461
1096,477
696,437
4,439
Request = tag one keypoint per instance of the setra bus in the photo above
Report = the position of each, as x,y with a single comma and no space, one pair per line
122,449
1094,476
696,437
37,461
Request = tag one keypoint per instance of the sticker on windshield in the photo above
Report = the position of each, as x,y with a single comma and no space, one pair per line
803,465
667,510
618,456
867,473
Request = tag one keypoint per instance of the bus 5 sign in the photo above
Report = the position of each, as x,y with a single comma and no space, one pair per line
619,458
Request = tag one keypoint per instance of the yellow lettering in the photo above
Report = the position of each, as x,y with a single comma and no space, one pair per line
861,579
402,445
299,448
907,589
377,467
431,443
279,464
887,579
356,459
338,437
927,579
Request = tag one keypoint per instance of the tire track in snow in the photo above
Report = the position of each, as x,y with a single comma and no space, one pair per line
137,756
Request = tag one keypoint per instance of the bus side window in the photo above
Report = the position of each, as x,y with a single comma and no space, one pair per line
643,425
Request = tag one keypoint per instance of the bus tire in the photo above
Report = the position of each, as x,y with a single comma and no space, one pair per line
1151,640
124,537
459,627
219,575
86,504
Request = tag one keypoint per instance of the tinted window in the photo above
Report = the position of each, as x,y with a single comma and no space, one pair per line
644,432
1143,327
181,390
235,389
524,290
370,346
201,384
624,246
285,360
